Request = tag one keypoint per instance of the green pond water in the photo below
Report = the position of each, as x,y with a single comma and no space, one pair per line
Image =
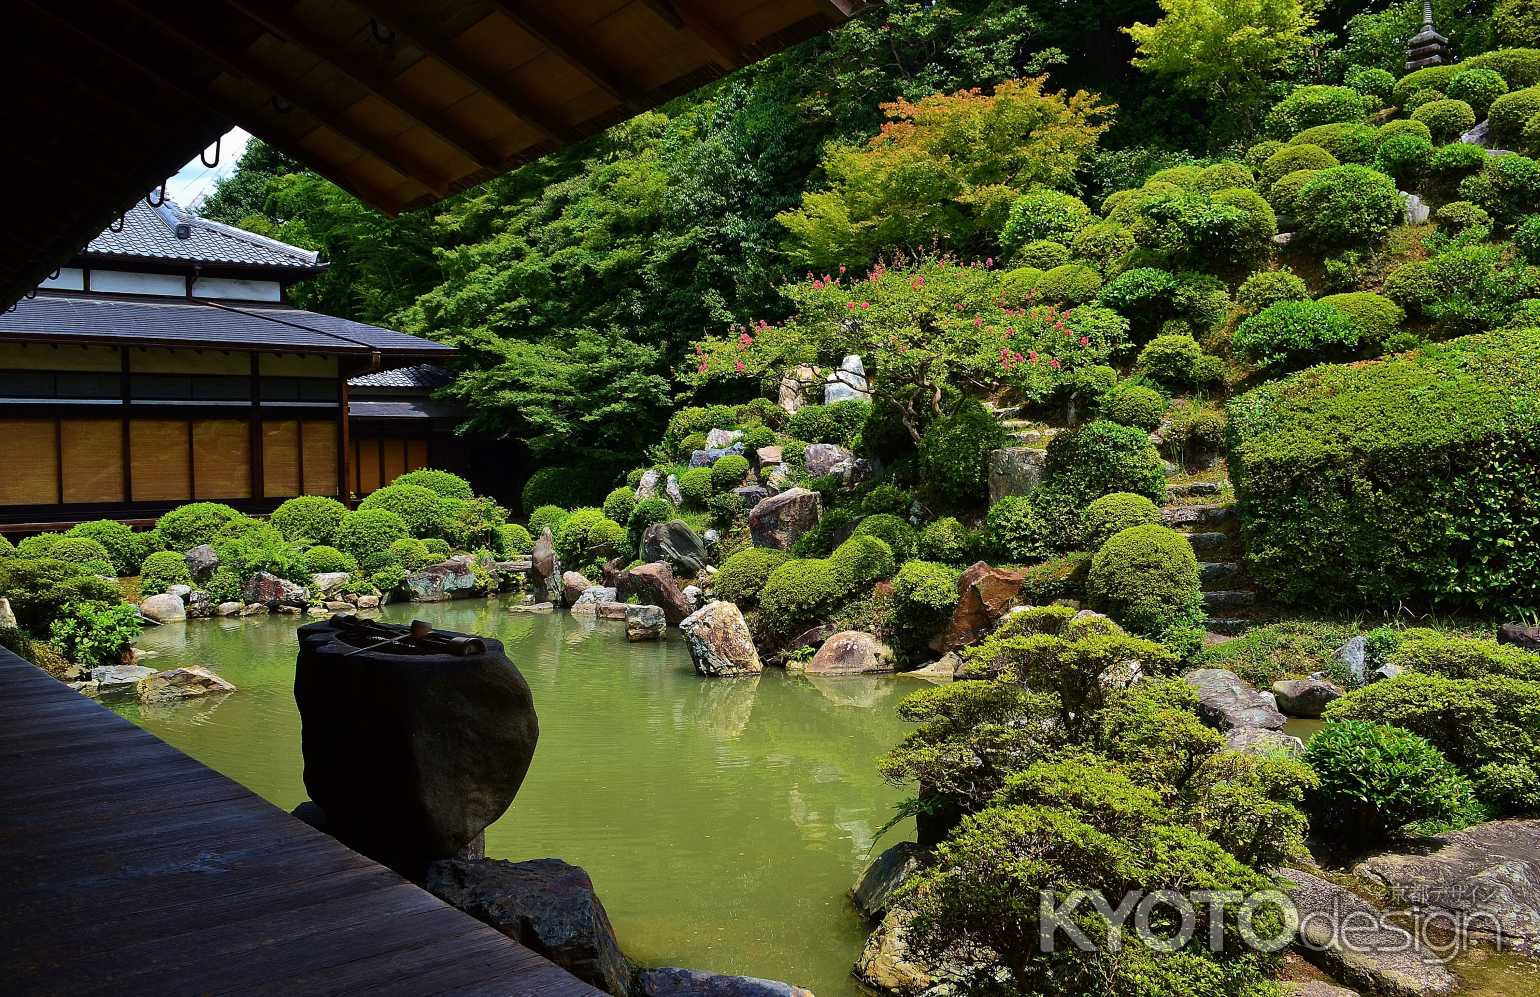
722,821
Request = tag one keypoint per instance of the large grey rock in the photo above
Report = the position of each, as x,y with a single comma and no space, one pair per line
1520,635
544,569
673,982
199,606
709,456
780,520
1354,655
882,878
647,487
328,583
671,490
1417,210
181,683
451,579
1261,741
7,615
411,756
163,607
1485,878
1014,471
719,641
180,591
824,458
1316,988
1307,698
654,585
111,679
543,904
644,623
227,609
201,562
271,591
851,652
677,544
847,382
791,395
573,585
721,439
751,495
587,604
1347,937
1227,701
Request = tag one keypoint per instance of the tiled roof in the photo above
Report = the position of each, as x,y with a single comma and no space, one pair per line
424,376
406,408
182,322
151,233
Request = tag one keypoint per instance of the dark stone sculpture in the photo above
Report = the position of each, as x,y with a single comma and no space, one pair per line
410,755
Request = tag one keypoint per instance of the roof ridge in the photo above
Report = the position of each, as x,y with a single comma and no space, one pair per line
243,235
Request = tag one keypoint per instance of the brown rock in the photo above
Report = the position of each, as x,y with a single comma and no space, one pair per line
851,652
654,584
1519,634
986,593
181,683
780,519
719,641
573,584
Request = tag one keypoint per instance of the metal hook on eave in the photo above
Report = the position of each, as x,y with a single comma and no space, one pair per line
150,197
56,272
116,226
204,160
382,34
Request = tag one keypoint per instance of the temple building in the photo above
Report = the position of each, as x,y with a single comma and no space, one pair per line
164,364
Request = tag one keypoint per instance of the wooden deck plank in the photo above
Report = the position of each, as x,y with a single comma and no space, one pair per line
129,868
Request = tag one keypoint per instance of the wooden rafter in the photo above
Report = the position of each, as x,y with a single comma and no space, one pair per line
242,65
421,34
581,57
686,16
334,54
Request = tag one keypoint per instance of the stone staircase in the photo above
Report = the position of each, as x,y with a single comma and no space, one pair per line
1211,527
1022,432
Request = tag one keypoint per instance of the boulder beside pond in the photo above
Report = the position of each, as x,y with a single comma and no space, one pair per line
201,562
882,878
654,584
163,607
112,679
441,582
778,521
1227,701
181,683
644,623
543,904
671,982
985,593
1305,698
850,652
719,641
675,543
271,591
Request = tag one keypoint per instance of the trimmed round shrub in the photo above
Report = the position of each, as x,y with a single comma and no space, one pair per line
742,576
1043,254
444,483
1296,333
547,517
588,537
1290,158
1377,317
161,570
1069,284
1401,126
924,596
690,444
619,503
1508,187
1422,97
422,511
1457,216
125,548
946,540
1348,141
891,530
1146,578
438,546
1349,206
1141,295
1185,176
1103,457
797,593
1015,532
1257,154
1371,81
1114,513
1103,245
366,534
1258,222
321,558
309,519
1376,779
1477,87
1226,176
83,551
954,455
1134,405
1509,113
729,472
1268,287
646,513
1427,78
1016,285
413,554
837,423
1403,157
1413,286
862,561
1041,214
1457,159
832,528
1284,194
1309,106
1447,119
513,540
188,526
1526,239
1174,362
568,487
695,487
7,548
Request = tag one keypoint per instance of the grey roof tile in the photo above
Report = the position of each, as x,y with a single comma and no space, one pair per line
424,375
150,233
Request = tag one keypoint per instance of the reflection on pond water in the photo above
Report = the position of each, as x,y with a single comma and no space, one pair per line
722,821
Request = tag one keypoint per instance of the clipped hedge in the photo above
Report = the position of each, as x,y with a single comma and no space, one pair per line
310,519
1114,513
954,453
188,526
125,548
87,553
1146,578
1408,480
742,576
444,483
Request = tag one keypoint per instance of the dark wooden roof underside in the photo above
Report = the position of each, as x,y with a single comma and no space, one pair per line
403,102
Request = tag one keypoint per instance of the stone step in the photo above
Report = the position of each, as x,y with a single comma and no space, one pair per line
1190,489
1211,546
1217,575
1177,516
1229,600
1228,626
